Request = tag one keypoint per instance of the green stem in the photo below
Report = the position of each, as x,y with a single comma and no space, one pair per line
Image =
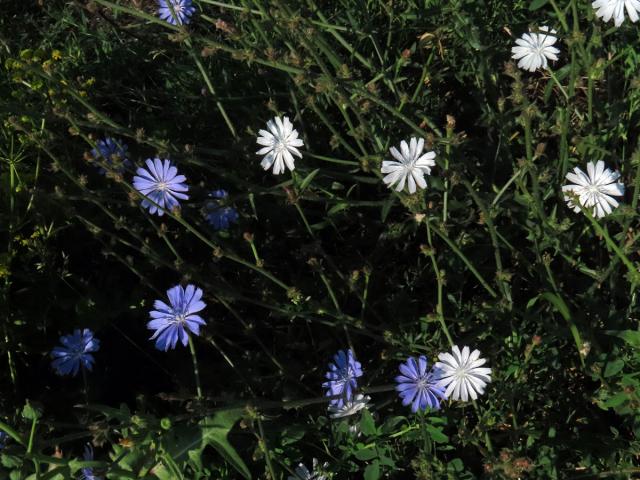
447,156
212,90
506,289
466,261
633,271
196,370
439,275
555,80
265,449
12,433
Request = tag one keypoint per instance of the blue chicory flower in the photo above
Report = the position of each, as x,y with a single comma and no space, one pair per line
161,184
418,386
112,152
342,377
219,216
3,439
75,351
171,322
87,472
176,12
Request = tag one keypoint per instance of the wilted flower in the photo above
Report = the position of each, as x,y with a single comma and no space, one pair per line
533,49
410,167
171,322
417,385
461,373
87,472
161,184
75,351
112,152
280,142
608,9
594,190
218,215
350,407
342,377
176,12
303,473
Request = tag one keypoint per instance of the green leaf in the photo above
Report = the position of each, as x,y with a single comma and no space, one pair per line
456,465
632,337
614,401
613,367
123,413
292,434
338,207
561,306
365,454
182,441
386,208
307,180
436,434
10,461
558,303
537,4
214,432
367,425
372,472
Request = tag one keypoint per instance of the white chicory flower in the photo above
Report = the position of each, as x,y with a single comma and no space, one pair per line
280,143
462,374
533,50
594,190
409,167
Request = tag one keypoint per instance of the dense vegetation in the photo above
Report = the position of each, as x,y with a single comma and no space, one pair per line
323,258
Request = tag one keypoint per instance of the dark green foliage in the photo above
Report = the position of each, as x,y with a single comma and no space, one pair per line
328,257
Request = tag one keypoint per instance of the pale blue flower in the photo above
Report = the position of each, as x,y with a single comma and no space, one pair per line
87,472
171,322
176,12
75,352
342,377
161,184
418,385
113,153
218,215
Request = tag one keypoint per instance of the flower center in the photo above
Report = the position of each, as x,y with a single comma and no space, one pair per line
77,350
460,373
162,186
593,189
280,146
